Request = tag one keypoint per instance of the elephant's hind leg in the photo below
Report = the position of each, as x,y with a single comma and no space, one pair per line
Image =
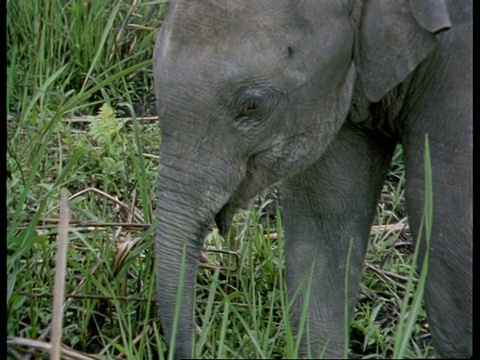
448,291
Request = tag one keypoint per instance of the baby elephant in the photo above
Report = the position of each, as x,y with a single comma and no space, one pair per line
317,94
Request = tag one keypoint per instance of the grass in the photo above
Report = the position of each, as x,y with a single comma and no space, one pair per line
79,93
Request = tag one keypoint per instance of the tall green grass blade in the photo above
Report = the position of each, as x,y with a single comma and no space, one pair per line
101,44
209,320
405,326
251,335
80,100
30,180
136,153
178,306
303,326
223,330
346,304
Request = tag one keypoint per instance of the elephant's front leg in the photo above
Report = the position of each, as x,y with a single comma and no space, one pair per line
328,210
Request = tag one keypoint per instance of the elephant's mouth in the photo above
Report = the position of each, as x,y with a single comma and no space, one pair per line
255,181
240,198
224,219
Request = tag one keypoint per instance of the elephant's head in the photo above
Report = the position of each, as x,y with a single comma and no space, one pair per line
242,101
249,93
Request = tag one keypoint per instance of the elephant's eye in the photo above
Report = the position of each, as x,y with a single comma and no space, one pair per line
251,102
250,106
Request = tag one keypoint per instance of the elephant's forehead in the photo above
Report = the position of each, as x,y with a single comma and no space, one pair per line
214,23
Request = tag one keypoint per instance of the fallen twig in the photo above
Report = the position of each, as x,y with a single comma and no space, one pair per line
81,296
389,275
136,212
44,347
89,119
60,272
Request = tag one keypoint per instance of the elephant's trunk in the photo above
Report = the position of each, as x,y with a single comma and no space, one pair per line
172,246
179,236
189,198
170,249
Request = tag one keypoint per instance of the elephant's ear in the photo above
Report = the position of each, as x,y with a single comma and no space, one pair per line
393,37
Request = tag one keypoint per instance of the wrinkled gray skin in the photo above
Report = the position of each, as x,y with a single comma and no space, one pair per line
316,93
